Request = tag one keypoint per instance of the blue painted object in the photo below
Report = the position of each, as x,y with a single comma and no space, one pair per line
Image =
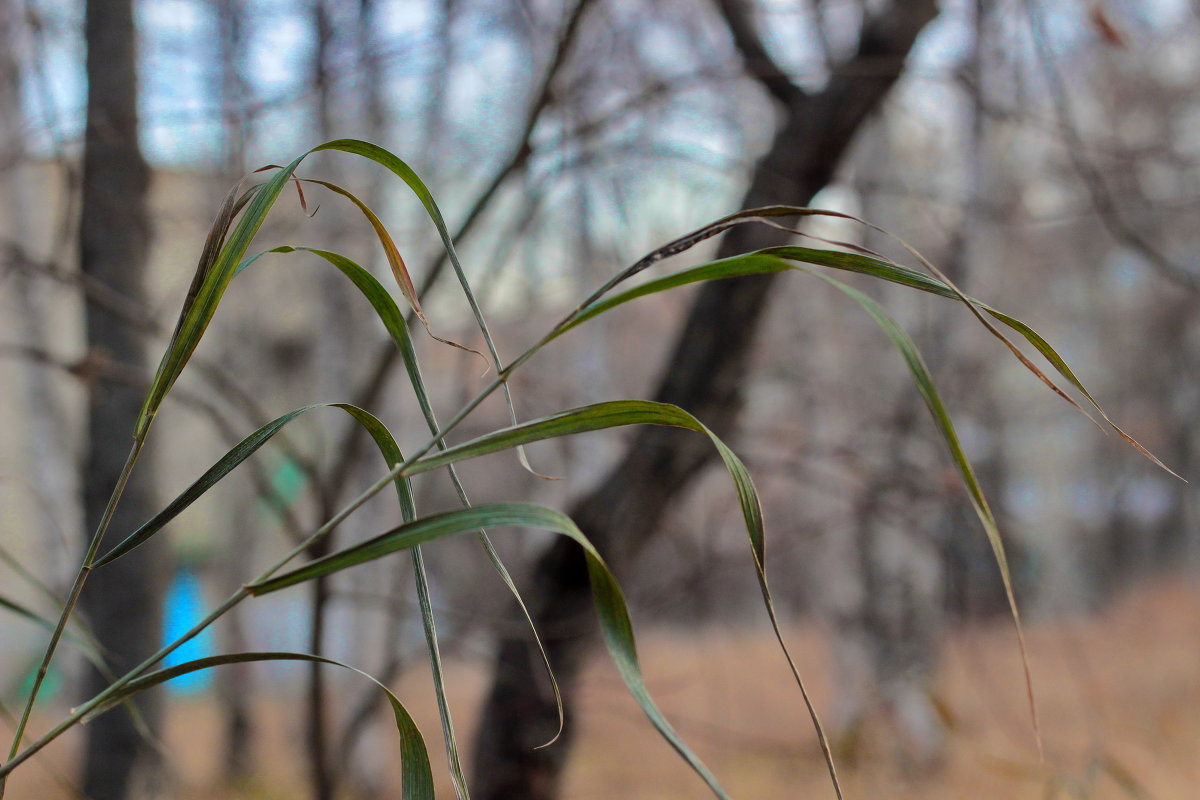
182,609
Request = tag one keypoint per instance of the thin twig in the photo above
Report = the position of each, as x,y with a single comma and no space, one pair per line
372,390
1103,199
93,367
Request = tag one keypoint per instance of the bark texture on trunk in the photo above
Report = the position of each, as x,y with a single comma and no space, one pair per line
122,599
705,371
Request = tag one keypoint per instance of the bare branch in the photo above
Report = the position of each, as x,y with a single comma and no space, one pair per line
1103,200
759,63
96,366
127,311
354,441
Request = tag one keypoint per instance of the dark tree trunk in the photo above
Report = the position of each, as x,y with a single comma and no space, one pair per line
234,683
122,599
317,722
708,365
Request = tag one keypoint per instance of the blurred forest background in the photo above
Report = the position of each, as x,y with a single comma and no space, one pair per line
1044,153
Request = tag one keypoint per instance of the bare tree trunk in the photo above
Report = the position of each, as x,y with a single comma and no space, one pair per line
708,365
122,599
331,348
234,683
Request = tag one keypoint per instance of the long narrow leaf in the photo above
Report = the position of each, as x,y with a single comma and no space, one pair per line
214,273
929,393
899,274
226,464
212,279
87,645
872,264
610,603
213,276
416,774
779,259
212,247
766,214
392,456
895,273
394,259
393,321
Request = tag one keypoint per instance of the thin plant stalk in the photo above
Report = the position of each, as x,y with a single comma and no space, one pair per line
72,601
78,713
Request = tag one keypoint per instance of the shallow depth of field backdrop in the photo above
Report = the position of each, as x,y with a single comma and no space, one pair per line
1044,154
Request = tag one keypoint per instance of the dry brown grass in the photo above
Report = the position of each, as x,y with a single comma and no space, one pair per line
1119,694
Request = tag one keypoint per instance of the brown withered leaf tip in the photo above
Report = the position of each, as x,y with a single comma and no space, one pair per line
1104,26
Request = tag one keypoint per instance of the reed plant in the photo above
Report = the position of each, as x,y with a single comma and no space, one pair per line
226,253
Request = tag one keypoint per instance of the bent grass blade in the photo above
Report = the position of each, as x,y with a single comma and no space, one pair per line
615,624
929,393
395,262
619,413
416,773
406,173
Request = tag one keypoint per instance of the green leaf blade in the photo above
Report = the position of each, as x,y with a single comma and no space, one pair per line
416,773
945,425
615,624
206,293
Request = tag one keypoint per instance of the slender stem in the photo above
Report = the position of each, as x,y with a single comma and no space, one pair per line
241,594
317,724
79,712
73,597
500,379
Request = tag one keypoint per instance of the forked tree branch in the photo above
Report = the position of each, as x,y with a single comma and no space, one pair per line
708,366
759,64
